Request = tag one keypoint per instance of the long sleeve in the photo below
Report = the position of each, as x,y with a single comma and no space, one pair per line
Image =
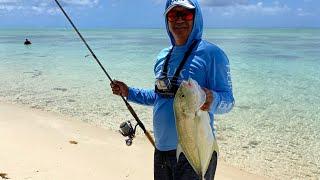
142,96
220,83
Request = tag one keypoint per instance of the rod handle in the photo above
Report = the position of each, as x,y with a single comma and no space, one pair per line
150,138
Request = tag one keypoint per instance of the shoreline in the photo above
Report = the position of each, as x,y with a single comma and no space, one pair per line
44,145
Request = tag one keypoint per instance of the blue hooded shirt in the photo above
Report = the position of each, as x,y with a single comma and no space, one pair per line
207,64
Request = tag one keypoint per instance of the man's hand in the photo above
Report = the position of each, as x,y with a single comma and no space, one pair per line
119,88
209,100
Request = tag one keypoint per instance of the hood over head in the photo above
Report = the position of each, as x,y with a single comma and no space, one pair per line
197,29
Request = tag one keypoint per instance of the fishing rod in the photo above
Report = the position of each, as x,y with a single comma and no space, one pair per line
126,128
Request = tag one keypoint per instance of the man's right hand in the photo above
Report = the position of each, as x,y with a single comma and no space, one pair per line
119,88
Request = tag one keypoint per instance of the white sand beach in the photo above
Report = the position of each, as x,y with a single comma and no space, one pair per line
36,145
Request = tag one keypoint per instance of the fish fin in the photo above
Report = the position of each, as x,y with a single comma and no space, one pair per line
179,151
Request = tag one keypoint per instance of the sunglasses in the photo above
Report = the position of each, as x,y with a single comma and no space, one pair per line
186,15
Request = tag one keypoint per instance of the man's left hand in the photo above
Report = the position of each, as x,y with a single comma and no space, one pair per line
209,100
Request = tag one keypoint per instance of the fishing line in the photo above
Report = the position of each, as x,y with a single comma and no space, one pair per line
133,113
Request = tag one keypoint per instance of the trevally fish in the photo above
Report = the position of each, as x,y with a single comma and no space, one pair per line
195,136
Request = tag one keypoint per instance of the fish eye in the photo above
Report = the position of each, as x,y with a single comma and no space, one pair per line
182,95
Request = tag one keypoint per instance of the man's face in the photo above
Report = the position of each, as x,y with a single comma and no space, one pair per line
180,21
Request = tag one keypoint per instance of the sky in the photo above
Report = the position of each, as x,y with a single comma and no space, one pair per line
149,13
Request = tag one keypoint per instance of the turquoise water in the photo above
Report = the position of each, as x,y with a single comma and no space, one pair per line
273,130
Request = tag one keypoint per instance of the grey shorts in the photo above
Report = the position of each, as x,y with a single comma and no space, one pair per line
166,167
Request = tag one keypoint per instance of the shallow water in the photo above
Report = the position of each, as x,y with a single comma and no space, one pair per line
273,130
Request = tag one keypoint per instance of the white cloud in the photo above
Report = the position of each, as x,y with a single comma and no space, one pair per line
8,1
90,3
258,8
159,1
43,6
232,7
9,5
302,12
37,9
53,11
220,3
269,10
212,3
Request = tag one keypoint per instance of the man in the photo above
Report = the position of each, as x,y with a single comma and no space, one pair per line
27,42
199,60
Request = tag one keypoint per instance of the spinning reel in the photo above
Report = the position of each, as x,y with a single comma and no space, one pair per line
127,130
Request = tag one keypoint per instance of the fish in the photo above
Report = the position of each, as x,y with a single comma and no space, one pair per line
195,136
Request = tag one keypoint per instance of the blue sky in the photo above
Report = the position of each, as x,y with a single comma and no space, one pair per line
148,13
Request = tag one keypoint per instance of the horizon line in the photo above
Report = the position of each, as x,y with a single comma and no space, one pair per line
240,27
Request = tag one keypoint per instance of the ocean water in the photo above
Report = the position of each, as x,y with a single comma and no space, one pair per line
273,130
